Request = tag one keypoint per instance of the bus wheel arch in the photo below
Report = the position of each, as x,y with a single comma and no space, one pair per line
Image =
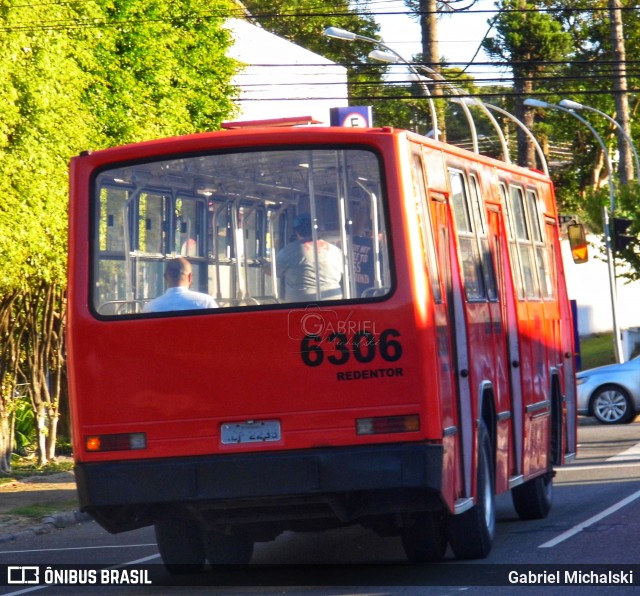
557,399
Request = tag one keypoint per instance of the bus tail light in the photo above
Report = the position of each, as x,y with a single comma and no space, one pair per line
388,424
119,442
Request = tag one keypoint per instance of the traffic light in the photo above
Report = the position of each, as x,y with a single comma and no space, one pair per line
621,237
578,243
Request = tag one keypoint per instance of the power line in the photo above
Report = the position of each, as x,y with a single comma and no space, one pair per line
76,22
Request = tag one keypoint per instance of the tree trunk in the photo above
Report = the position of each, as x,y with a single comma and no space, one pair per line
523,86
6,439
44,321
10,342
620,91
431,56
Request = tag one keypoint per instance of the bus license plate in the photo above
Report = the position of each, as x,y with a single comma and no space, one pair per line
260,431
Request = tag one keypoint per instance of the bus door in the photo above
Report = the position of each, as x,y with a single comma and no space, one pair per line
493,335
432,215
449,251
507,300
483,364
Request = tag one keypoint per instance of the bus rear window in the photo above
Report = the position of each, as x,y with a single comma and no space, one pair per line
244,229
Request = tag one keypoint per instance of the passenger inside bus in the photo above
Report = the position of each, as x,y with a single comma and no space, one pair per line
178,296
304,278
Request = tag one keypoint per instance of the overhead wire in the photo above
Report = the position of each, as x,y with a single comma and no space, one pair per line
90,22
74,23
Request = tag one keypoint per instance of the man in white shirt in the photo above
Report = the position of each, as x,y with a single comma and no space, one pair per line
178,296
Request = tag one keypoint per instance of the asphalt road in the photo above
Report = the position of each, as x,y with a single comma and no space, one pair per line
595,521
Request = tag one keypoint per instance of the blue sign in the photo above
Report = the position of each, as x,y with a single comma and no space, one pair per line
352,116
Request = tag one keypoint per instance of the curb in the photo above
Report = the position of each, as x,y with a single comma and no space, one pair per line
55,521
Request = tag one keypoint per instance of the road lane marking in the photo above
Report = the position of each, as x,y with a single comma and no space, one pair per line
602,466
52,550
631,453
592,520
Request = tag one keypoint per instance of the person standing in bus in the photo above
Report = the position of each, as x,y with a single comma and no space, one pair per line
178,277
296,264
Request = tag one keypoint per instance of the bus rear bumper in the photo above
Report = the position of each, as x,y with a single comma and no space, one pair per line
352,481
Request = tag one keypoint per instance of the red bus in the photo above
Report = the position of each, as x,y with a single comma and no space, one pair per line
434,374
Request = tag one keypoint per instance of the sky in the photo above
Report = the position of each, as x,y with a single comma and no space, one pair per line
459,33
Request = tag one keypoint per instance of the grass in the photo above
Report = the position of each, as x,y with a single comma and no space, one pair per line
597,350
24,467
40,510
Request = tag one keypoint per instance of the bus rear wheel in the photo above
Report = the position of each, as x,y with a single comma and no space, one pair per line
424,538
180,544
533,498
471,533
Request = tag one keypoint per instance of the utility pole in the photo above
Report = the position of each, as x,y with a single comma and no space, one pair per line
620,91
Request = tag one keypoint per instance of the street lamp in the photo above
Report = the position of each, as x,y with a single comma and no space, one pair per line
574,105
519,123
472,101
391,57
337,33
606,214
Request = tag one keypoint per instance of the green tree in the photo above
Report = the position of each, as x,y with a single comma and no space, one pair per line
76,76
45,122
158,68
530,42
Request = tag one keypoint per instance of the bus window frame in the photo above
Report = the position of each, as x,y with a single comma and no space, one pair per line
475,289
425,219
386,267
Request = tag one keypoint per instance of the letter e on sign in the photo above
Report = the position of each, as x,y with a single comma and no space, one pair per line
355,120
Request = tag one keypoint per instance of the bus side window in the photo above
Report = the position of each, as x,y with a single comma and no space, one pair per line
469,254
483,238
540,252
189,233
524,242
513,245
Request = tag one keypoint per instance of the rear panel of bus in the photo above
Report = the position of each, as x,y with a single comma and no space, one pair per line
258,397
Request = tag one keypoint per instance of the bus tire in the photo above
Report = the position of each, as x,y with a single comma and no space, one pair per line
424,538
235,548
533,498
471,533
180,544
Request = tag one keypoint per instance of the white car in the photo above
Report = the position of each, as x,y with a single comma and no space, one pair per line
610,393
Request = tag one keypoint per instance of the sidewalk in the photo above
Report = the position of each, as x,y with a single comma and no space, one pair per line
20,499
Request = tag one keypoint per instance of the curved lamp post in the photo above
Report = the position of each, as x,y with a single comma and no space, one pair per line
606,214
574,105
472,101
336,33
519,123
391,57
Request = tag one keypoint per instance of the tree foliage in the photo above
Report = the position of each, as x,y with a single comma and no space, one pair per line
76,76
583,71
531,43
